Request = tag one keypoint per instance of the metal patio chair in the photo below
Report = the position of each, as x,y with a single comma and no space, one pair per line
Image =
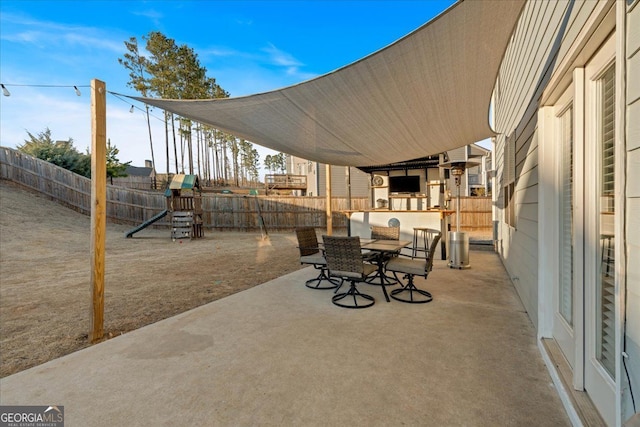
344,261
411,267
311,254
385,233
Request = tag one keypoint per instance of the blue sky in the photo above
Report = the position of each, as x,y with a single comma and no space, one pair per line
247,46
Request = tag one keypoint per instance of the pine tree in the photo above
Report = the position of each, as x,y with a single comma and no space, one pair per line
115,169
60,153
137,66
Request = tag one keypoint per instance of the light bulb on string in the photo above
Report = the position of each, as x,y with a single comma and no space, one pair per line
131,109
77,90
5,91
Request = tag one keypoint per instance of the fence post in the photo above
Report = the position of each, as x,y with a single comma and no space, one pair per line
98,206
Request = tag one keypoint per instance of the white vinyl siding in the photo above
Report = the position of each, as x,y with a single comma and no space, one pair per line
360,182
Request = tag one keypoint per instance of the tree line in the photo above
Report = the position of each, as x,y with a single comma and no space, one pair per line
63,153
172,71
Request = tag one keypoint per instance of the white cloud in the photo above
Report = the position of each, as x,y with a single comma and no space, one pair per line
151,14
217,51
287,62
92,53
33,110
281,58
44,33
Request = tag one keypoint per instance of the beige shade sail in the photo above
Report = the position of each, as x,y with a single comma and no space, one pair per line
426,93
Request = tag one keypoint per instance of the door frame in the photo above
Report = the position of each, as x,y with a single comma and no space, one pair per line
570,338
598,383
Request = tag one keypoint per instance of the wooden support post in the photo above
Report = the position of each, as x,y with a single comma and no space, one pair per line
347,176
347,170
329,212
98,205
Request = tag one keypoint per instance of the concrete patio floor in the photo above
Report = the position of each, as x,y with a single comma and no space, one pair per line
282,354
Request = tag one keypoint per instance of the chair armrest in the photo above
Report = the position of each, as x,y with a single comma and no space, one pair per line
310,247
424,257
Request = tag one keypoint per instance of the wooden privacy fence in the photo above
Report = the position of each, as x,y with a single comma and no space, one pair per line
220,211
129,206
475,213
235,212
59,184
138,182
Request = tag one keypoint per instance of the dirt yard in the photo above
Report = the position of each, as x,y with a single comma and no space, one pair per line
45,275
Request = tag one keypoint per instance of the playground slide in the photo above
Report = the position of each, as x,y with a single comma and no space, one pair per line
147,223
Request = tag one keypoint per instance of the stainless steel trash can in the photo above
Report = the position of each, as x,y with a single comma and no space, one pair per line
458,250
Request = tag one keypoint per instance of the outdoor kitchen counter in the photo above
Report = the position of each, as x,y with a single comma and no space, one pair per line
360,222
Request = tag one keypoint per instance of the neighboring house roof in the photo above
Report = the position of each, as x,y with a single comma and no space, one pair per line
477,151
138,171
427,93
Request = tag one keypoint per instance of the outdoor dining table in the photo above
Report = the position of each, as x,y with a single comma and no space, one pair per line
382,248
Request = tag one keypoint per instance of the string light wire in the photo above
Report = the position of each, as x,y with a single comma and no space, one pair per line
122,97
76,88
6,92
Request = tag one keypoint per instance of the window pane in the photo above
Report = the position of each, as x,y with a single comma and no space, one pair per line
605,285
565,297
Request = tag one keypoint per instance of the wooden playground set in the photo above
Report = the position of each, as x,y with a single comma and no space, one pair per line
184,207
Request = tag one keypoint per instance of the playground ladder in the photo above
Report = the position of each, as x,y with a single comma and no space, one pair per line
182,225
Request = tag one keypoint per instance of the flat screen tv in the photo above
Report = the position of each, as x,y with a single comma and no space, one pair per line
404,184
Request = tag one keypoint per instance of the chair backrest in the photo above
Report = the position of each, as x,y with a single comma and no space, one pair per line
307,241
385,233
432,251
343,255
